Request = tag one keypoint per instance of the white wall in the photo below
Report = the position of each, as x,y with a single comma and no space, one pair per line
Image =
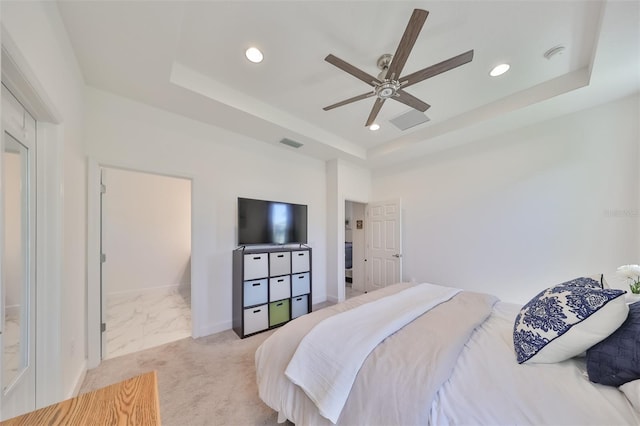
146,231
345,181
335,234
37,31
527,209
223,166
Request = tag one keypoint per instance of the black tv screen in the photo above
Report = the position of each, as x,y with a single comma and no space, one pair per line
271,222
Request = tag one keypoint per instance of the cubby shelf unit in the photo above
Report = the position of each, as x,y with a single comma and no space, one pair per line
271,286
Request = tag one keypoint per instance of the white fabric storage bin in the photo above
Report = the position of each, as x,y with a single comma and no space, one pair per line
300,284
256,319
279,288
256,292
256,265
279,263
299,306
299,261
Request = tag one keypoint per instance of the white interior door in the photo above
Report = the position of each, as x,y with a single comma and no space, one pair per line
383,244
17,260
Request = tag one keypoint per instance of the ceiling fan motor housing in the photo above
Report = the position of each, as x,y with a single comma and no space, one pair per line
387,89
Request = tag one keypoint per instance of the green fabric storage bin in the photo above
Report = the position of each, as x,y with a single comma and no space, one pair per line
278,312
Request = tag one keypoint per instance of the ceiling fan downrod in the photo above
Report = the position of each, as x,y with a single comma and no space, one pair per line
383,64
388,87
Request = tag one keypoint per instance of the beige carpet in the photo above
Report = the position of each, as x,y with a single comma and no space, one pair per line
206,381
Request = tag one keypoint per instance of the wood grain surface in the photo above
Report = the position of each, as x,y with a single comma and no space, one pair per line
131,402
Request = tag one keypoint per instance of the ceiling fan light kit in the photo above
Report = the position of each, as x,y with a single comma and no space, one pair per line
387,89
389,84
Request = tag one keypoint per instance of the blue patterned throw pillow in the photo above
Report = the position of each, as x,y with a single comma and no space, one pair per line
567,319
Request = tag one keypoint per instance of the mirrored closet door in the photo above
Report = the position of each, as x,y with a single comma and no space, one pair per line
17,258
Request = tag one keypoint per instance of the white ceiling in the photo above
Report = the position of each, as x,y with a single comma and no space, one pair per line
188,58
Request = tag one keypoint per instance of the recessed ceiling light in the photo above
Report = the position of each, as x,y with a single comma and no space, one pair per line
499,70
254,55
374,127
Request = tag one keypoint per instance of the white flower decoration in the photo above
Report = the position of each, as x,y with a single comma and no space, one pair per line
632,272
629,271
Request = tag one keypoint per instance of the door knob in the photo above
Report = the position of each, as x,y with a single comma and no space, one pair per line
397,255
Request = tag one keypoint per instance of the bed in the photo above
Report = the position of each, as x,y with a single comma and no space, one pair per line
454,363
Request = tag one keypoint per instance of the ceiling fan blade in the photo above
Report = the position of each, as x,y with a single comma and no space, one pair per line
411,101
436,69
374,111
357,73
418,17
348,101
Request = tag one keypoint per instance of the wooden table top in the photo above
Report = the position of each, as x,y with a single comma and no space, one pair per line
131,402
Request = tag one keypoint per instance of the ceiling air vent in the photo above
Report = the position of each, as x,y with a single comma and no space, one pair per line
409,119
291,143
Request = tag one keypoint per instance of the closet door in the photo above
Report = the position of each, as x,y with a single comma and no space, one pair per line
17,259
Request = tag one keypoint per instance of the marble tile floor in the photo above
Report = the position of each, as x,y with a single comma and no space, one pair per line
145,319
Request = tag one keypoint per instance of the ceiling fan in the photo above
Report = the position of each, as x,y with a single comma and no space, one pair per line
389,84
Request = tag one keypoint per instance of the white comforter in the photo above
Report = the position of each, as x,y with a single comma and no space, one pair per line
420,375
329,357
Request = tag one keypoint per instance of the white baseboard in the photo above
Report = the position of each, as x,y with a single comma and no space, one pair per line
213,329
79,380
332,299
168,288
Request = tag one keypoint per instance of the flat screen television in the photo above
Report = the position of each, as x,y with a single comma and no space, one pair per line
271,222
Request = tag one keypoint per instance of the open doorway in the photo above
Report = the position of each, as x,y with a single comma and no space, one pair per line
146,246
354,249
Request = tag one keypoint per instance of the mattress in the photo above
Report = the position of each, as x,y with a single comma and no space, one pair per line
420,375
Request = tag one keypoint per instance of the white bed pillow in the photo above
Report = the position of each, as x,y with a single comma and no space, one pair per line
632,391
567,319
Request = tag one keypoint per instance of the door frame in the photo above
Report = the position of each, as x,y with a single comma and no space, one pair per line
94,251
21,80
342,214
354,228
21,393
